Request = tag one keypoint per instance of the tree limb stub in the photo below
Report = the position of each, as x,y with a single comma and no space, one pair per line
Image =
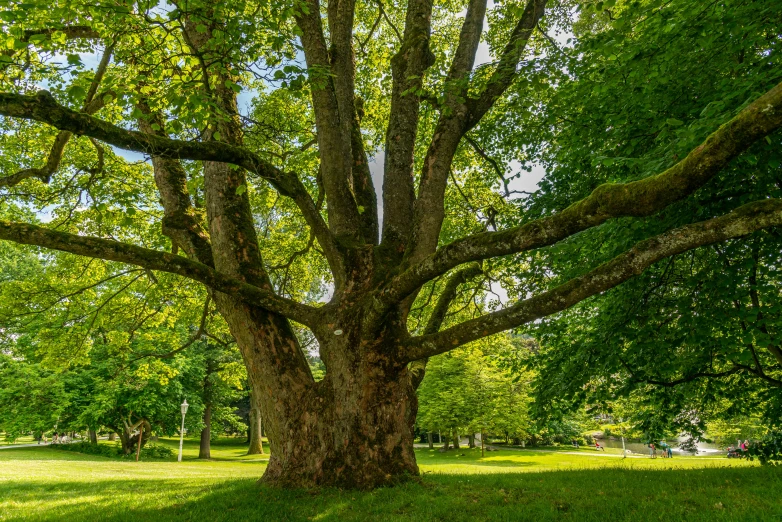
741,222
155,260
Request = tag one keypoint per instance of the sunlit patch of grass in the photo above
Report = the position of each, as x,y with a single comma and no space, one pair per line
47,484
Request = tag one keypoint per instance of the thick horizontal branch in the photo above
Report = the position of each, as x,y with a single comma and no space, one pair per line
155,260
44,108
742,221
70,31
639,198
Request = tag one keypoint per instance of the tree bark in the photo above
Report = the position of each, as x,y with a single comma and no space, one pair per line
456,439
471,440
93,436
357,436
430,439
112,436
206,434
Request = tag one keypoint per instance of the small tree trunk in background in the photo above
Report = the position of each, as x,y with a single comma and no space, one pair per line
483,443
112,436
127,444
471,440
140,439
455,439
430,438
256,426
93,436
206,434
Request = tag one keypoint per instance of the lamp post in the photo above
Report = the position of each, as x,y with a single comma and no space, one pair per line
182,431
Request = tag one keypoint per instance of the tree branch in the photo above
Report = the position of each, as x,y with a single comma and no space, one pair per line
70,31
407,69
155,260
91,106
461,116
193,338
44,108
334,137
417,368
505,73
179,218
742,221
639,198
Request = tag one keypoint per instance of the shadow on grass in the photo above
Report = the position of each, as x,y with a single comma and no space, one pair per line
588,495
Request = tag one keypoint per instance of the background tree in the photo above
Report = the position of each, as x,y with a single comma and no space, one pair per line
109,350
165,84
697,336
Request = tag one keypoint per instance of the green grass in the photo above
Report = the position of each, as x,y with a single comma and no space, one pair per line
47,484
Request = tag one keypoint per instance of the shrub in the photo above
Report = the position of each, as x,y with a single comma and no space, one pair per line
767,450
157,451
149,451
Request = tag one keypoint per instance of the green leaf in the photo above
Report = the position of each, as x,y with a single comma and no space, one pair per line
76,92
241,189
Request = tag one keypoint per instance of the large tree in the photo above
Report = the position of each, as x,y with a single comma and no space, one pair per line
166,86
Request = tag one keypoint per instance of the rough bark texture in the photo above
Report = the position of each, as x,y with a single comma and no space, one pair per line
93,436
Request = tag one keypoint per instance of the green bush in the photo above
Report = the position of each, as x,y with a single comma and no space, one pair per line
157,451
767,450
149,451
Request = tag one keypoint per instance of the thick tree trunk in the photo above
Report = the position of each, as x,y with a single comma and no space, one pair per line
471,440
456,439
353,429
112,436
446,442
256,426
93,436
206,434
430,439
354,436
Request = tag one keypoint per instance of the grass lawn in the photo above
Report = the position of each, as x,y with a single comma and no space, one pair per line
50,484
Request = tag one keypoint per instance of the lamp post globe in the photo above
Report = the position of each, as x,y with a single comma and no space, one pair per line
182,431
